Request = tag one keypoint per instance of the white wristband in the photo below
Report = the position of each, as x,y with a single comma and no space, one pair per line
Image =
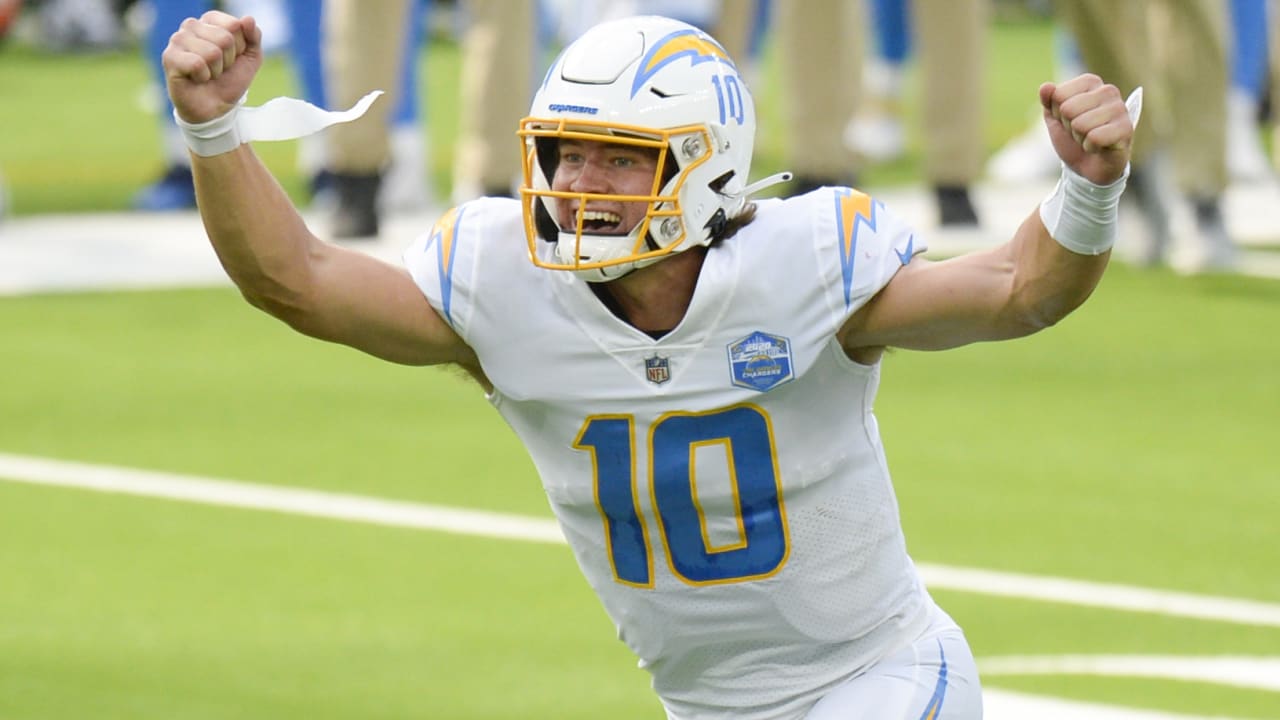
280,118
1080,215
213,137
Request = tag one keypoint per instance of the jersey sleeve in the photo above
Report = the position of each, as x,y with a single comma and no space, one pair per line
861,243
442,263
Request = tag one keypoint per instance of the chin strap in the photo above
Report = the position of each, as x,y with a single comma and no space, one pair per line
757,186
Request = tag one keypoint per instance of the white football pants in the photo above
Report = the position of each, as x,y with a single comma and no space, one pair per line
933,678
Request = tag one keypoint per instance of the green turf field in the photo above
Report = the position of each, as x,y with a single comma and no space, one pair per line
1133,444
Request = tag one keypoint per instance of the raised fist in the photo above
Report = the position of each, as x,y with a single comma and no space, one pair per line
210,63
1090,127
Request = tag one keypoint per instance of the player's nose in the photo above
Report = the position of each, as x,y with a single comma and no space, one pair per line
593,176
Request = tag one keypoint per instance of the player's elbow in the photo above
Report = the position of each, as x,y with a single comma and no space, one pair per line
1032,320
1030,315
282,302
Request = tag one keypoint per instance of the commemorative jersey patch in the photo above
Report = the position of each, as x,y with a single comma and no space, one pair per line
657,369
760,361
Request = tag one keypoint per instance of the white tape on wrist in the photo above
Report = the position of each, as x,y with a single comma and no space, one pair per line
282,118
1082,216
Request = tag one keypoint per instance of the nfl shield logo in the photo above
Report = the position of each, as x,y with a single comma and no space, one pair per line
657,369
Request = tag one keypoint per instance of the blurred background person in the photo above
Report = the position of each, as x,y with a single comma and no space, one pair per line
742,26
1247,159
499,64
1147,42
571,18
504,53
298,27
9,10
831,136
369,46
822,82
79,25
950,41
1273,46
1029,156
175,189
877,130
953,44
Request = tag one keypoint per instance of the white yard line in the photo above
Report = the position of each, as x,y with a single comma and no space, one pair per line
396,513
1005,705
297,501
1000,704
1242,671
1102,595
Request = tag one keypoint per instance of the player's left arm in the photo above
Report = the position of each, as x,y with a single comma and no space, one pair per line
1040,275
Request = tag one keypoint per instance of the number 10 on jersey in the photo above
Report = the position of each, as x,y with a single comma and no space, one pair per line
746,437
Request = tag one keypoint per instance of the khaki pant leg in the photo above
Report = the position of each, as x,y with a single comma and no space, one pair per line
497,67
1194,54
820,49
733,29
1115,43
363,45
952,44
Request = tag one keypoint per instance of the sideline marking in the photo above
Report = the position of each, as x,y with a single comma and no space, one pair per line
998,704
1103,595
396,513
315,503
1241,671
1007,705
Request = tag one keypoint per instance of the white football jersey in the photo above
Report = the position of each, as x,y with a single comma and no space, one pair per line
723,488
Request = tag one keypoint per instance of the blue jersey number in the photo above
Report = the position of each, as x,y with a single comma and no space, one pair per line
745,435
729,94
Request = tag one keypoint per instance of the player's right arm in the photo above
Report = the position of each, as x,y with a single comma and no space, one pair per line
319,289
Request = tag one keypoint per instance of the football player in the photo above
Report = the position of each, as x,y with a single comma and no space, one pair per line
693,372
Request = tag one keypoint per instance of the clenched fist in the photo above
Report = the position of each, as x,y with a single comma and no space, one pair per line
210,63
1089,126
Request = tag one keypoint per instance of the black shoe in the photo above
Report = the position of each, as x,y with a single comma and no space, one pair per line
955,207
356,214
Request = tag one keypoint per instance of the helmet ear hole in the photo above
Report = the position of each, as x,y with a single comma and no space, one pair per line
718,184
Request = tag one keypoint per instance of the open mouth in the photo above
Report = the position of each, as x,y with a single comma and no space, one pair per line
602,222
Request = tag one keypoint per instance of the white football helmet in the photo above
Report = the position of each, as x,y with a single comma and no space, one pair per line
649,82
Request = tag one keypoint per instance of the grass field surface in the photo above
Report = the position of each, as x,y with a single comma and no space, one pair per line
1133,445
